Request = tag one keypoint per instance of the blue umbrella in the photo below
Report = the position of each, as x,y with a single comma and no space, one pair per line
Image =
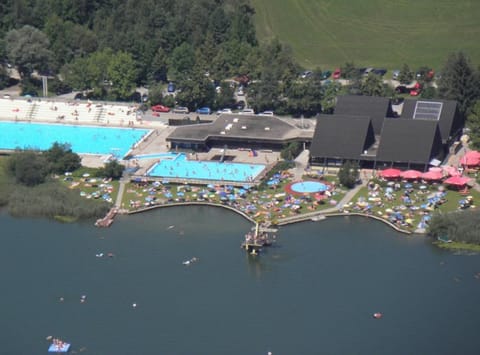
223,194
231,197
180,193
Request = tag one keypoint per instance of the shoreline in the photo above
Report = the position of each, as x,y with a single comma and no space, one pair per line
280,222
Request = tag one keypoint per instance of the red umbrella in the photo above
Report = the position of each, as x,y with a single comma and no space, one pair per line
411,174
432,175
451,170
471,158
457,180
390,173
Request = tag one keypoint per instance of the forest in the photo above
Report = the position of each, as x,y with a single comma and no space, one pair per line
108,48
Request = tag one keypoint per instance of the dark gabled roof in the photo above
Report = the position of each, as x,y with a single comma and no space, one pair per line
241,127
407,140
448,121
341,136
377,108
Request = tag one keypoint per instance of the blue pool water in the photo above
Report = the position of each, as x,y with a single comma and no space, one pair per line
180,167
309,187
83,139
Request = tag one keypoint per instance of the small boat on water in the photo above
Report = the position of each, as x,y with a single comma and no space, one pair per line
377,315
59,346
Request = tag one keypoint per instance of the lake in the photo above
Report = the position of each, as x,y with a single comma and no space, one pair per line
313,292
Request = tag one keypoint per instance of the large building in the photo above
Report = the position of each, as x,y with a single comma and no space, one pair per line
367,130
237,131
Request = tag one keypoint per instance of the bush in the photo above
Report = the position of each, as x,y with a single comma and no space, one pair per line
348,174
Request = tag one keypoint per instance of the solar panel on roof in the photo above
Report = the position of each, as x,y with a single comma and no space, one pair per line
426,110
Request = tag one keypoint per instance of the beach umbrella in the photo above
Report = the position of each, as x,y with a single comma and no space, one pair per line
180,194
86,175
432,175
471,158
451,170
411,174
390,173
457,181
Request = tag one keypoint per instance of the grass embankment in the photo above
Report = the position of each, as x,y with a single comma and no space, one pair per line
375,33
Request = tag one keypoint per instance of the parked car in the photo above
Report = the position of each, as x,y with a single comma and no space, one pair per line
337,73
223,111
425,74
240,91
240,105
266,113
306,74
395,74
171,87
160,108
325,74
6,96
247,111
181,109
368,71
204,110
380,72
402,89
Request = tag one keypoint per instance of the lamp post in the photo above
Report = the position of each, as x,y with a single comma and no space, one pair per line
44,86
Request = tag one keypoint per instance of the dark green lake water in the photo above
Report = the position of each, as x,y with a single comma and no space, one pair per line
312,293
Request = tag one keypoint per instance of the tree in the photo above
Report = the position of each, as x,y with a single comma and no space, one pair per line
121,74
372,86
291,151
459,81
28,167
61,159
112,169
28,49
349,71
348,174
330,92
181,61
406,75
473,123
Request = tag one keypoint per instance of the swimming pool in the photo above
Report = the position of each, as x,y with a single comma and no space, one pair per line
82,139
308,187
182,168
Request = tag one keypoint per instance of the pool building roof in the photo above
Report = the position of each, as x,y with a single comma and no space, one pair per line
342,136
237,130
421,134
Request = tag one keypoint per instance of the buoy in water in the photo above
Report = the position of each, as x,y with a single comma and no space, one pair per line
377,315
134,305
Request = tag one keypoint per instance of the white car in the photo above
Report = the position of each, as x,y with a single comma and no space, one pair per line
6,96
247,111
225,110
266,113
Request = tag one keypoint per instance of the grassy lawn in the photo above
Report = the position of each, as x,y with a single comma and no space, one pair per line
269,203
419,198
327,33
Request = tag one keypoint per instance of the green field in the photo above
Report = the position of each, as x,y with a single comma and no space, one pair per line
377,33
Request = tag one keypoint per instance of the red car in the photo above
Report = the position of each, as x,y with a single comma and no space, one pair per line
160,108
337,73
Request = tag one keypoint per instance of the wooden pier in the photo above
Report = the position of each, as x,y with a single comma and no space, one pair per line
257,240
108,219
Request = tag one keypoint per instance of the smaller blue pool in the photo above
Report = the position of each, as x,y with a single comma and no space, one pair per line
182,168
308,187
